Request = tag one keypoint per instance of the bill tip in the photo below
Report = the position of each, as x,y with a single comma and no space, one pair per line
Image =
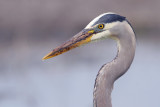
44,58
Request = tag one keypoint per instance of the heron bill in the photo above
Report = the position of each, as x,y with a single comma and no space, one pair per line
81,38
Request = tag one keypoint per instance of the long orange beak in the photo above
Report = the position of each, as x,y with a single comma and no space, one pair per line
81,38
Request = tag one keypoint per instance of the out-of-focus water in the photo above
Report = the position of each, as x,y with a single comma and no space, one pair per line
68,80
29,29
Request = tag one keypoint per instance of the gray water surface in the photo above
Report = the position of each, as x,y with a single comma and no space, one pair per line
68,80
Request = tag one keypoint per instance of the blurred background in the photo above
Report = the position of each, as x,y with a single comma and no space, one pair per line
29,29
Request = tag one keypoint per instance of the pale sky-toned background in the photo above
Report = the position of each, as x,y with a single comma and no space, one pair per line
29,29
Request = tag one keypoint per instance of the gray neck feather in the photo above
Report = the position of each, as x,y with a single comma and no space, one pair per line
112,71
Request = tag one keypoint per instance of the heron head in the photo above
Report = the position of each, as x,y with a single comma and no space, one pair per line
99,28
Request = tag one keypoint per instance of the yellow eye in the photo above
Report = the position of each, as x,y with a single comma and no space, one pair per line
101,26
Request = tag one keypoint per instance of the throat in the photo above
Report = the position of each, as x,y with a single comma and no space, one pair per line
110,72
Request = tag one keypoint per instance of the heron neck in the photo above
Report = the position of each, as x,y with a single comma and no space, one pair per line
112,71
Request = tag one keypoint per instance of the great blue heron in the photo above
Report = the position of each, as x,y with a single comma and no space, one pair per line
107,25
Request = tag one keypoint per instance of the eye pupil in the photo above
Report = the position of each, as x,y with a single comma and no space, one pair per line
101,26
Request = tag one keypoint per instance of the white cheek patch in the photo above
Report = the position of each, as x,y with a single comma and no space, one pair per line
111,25
100,36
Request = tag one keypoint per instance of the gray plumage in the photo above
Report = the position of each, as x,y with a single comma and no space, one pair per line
125,37
107,25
